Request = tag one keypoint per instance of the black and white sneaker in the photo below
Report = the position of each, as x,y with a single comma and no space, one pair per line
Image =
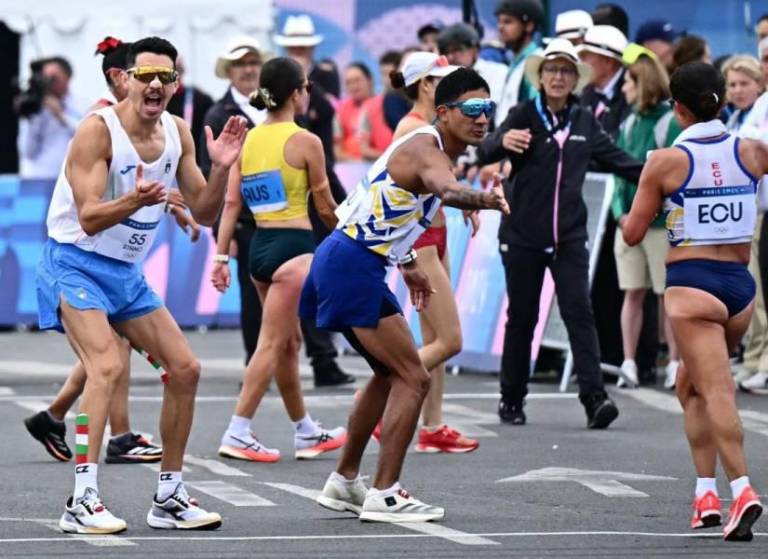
181,512
132,448
398,507
88,515
51,434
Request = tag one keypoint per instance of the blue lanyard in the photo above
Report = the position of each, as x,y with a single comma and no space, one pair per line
545,120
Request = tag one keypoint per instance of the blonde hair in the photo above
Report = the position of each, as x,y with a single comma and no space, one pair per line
651,81
746,64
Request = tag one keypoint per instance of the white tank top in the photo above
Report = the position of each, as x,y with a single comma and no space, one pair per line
130,239
383,216
717,203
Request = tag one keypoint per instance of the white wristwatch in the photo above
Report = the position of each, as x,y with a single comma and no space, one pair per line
224,258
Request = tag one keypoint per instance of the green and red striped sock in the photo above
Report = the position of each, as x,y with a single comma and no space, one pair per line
81,438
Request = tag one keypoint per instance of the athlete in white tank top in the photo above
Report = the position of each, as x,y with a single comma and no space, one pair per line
130,239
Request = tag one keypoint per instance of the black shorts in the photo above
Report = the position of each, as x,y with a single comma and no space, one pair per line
387,309
271,248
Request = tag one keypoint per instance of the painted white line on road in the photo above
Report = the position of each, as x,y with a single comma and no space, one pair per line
215,467
108,540
435,530
216,540
37,405
230,494
156,467
6,391
605,483
754,421
295,489
440,531
34,368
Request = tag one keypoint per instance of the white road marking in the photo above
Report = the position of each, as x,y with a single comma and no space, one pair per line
440,531
6,391
435,530
295,489
230,494
216,540
468,420
215,467
754,421
156,467
605,483
37,405
35,368
97,541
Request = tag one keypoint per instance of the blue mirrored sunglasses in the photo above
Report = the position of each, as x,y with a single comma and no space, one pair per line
473,108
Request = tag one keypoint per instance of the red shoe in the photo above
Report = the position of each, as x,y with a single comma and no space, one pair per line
744,511
376,435
444,439
706,511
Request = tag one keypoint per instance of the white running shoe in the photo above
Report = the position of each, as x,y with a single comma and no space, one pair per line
246,448
343,495
324,440
628,375
741,373
181,512
756,382
398,507
671,370
88,515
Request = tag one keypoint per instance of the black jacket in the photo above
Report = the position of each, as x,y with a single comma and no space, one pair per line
530,189
201,102
615,111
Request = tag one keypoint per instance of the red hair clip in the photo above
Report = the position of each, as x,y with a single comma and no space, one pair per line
107,45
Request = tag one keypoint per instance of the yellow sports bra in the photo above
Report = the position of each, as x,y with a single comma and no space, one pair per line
272,189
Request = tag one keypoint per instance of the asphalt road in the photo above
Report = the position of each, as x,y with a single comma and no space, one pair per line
549,489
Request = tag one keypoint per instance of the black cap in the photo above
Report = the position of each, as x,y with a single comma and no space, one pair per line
524,10
432,27
461,34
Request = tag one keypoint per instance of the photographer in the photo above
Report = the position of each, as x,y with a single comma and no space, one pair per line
48,118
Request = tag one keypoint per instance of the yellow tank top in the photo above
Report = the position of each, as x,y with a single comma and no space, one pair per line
272,189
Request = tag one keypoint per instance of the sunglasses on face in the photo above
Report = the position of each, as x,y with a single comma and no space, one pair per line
565,71
147,74
473,108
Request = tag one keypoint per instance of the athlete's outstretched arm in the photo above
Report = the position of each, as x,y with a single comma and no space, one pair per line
436,174
233,203
318,178
650,192
87,170
205,199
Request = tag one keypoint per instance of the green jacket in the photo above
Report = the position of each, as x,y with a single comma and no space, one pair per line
639,134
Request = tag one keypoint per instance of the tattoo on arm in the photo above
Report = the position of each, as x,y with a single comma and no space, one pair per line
465,199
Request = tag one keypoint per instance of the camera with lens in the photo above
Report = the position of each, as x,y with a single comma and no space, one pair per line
30,101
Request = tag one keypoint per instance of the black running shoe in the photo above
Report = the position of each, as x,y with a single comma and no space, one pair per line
51,434
132,448
600,410
330,374
511,414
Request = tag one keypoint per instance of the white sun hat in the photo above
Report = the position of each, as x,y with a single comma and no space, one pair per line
237,48
557,48
298,31
572,24
605,40
419,65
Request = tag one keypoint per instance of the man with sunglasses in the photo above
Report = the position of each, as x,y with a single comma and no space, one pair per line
346,290
550,142
102,221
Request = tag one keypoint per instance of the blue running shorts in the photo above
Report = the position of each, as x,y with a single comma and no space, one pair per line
89,281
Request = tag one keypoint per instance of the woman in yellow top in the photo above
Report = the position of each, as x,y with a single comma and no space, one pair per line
279,166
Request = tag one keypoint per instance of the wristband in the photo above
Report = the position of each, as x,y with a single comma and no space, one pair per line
408,258
169,208
223,258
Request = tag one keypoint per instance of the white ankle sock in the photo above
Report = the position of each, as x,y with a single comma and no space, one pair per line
239,426
166,484
372,492
629,362
306,426
85,476
336,476
738,485
704,484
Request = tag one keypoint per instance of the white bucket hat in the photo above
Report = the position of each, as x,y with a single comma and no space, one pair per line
557,48
605,40
298,31
572,24
237,48
419,65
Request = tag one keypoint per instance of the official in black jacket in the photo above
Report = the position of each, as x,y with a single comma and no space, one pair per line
550,142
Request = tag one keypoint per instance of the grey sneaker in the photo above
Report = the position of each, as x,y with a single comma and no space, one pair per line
343,495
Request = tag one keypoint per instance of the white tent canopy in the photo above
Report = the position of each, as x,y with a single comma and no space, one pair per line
199,29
